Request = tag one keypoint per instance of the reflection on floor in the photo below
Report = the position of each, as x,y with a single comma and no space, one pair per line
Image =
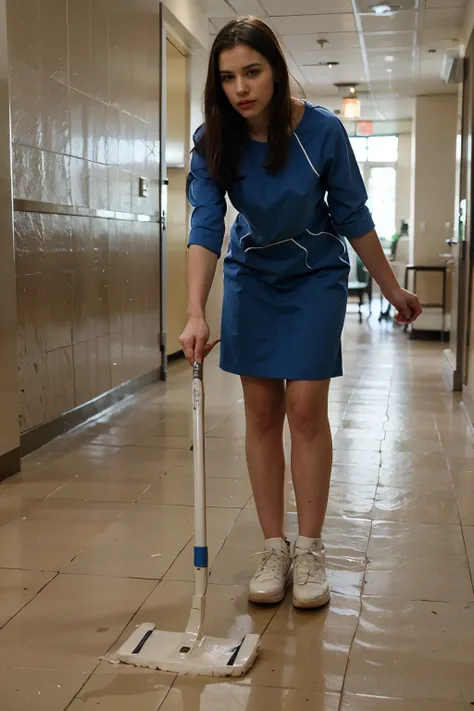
81,527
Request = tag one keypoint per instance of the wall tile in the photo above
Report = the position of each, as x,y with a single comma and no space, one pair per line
97,132
59,382
113,133
127,273
117,365
56,134
115,279
101,277
29,243
91,369
120,189
103,382
31,350
99,49
53,39
85,366
82,245
23,34
57,281
28,172
99,187
139,82
79,106
81,71
80,181
125,151
56,179
58,290
25,104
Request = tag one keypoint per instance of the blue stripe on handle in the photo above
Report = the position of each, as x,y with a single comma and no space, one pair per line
201,556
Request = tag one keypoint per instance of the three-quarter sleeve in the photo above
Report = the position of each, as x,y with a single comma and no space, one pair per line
209,206
346,193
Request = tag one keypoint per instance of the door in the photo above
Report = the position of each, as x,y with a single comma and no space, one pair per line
458,321
466,245
177,133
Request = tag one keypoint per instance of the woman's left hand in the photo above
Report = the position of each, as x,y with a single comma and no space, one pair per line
407,304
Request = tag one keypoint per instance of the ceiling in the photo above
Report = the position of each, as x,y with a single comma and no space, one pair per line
361,42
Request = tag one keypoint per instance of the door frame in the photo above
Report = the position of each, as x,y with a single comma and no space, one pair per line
455,364
170,28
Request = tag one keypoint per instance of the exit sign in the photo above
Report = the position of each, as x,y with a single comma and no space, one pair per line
365,128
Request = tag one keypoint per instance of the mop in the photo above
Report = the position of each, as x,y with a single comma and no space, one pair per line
192,652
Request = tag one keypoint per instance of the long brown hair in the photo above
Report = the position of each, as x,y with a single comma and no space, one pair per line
225,132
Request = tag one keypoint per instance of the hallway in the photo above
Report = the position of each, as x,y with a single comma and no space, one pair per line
96,537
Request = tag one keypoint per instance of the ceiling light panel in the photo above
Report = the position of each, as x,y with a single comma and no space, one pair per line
393,23
323,76
302,24
337,40
389,41
440,18
306,7
246,7
445,3
365,6
345,56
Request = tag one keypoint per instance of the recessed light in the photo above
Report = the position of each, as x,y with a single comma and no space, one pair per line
389,58
352,90
389,71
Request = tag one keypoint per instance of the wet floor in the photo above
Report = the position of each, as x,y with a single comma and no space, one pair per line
96,537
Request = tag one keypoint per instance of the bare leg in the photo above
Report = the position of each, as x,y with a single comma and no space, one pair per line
311,451
265,415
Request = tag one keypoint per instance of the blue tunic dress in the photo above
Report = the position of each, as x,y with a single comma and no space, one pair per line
287,266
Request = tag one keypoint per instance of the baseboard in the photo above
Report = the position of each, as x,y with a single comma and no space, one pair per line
428,335
452,378
37,437
468,407
10,463
179,355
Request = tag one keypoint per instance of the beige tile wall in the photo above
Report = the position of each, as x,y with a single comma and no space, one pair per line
85,116
9,430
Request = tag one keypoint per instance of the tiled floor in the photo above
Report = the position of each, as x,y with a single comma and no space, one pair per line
96,536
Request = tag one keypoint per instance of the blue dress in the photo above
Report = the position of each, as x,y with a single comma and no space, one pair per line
287,266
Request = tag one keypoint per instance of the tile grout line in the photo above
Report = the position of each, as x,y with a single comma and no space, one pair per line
366,557
469,567
102,658
34,596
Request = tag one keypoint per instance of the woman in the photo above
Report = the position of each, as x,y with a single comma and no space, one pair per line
288,169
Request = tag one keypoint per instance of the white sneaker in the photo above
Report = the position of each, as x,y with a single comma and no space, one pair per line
269,582
310,584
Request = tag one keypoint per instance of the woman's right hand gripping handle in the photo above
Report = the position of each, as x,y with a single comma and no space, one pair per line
201,269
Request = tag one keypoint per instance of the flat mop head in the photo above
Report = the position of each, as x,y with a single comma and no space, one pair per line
209,656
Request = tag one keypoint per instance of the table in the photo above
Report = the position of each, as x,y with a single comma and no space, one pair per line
440,268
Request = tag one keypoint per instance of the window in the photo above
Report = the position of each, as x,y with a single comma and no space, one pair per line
377,158
359,146
382,149
375,149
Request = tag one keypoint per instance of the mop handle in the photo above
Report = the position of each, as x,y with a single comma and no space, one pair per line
200,537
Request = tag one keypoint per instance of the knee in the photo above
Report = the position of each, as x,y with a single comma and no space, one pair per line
265,414
306,419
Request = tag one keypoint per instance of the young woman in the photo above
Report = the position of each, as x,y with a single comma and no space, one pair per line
289,170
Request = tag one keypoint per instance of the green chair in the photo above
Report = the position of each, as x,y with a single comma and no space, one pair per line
362,286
